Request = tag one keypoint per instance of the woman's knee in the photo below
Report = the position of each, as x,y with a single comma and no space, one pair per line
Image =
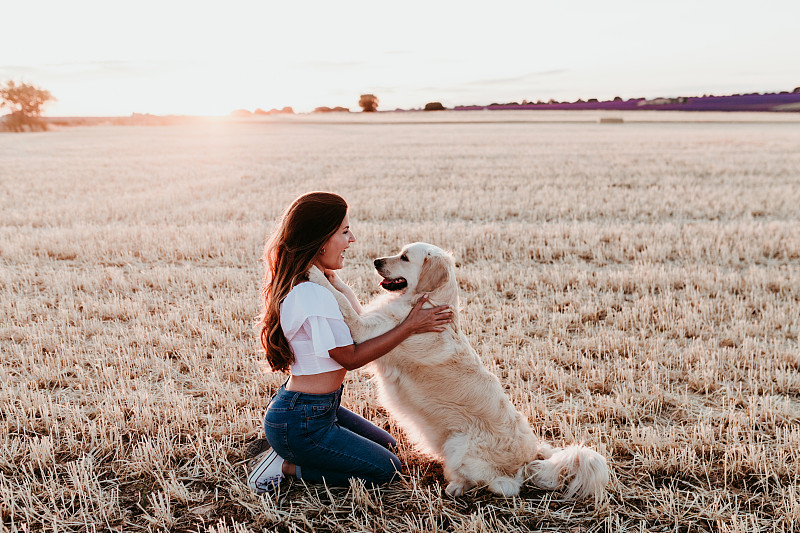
390,473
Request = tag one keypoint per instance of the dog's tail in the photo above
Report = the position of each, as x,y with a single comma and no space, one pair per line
585,469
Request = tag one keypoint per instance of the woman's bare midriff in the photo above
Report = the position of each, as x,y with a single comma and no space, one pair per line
317,383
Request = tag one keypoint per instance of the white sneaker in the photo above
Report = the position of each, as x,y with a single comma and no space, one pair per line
267,472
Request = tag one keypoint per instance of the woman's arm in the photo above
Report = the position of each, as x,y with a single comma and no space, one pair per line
418,321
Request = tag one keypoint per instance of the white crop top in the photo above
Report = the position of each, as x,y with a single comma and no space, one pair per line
313,324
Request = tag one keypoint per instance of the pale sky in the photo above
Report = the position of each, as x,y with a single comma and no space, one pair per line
208,58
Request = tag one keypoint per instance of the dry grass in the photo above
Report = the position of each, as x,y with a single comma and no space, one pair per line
634,286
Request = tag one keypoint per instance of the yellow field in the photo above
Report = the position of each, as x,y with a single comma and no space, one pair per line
635,286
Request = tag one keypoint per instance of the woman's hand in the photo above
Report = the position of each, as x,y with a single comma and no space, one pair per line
421,320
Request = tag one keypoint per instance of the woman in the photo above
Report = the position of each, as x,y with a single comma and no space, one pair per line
311,435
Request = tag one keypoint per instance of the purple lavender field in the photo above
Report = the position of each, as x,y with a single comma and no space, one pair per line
776,102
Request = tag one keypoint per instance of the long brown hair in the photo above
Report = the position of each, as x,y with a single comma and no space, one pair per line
306,225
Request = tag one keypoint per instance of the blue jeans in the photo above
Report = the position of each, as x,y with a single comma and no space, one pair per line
326,442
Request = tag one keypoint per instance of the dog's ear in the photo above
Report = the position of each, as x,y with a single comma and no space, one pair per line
434,273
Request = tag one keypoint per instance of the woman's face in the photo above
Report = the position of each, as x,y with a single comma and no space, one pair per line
333,256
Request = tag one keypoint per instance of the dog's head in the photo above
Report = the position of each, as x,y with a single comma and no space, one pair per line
419,268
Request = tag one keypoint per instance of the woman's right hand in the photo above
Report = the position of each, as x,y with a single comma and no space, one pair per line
433,319
419,320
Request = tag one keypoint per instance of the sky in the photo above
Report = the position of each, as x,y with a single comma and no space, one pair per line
107,58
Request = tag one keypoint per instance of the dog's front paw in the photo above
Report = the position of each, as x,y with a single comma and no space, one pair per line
315,275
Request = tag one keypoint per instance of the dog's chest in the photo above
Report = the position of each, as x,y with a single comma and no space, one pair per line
388,375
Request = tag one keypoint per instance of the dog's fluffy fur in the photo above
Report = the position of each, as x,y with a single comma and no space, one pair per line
435,386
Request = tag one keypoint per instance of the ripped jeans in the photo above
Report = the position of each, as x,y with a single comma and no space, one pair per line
326,442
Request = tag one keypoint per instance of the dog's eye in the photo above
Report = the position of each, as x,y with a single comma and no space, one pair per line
404,257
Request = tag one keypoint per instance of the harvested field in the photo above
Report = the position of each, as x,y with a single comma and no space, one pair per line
635,286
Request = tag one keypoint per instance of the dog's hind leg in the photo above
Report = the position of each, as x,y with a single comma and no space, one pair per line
461,469
457,488
472,470
453,451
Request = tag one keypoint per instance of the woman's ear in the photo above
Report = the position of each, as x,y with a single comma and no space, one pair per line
434,274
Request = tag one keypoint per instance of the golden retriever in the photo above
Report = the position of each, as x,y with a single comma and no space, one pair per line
440,393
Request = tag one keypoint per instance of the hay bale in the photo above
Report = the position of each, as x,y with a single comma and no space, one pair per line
610,120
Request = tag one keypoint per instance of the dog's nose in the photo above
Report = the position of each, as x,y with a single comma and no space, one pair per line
378,263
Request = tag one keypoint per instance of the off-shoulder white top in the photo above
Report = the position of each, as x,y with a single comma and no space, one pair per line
313,324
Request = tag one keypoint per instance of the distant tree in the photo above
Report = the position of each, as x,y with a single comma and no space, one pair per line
796,90
368,103
617,99
25,102
241,113
434,106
